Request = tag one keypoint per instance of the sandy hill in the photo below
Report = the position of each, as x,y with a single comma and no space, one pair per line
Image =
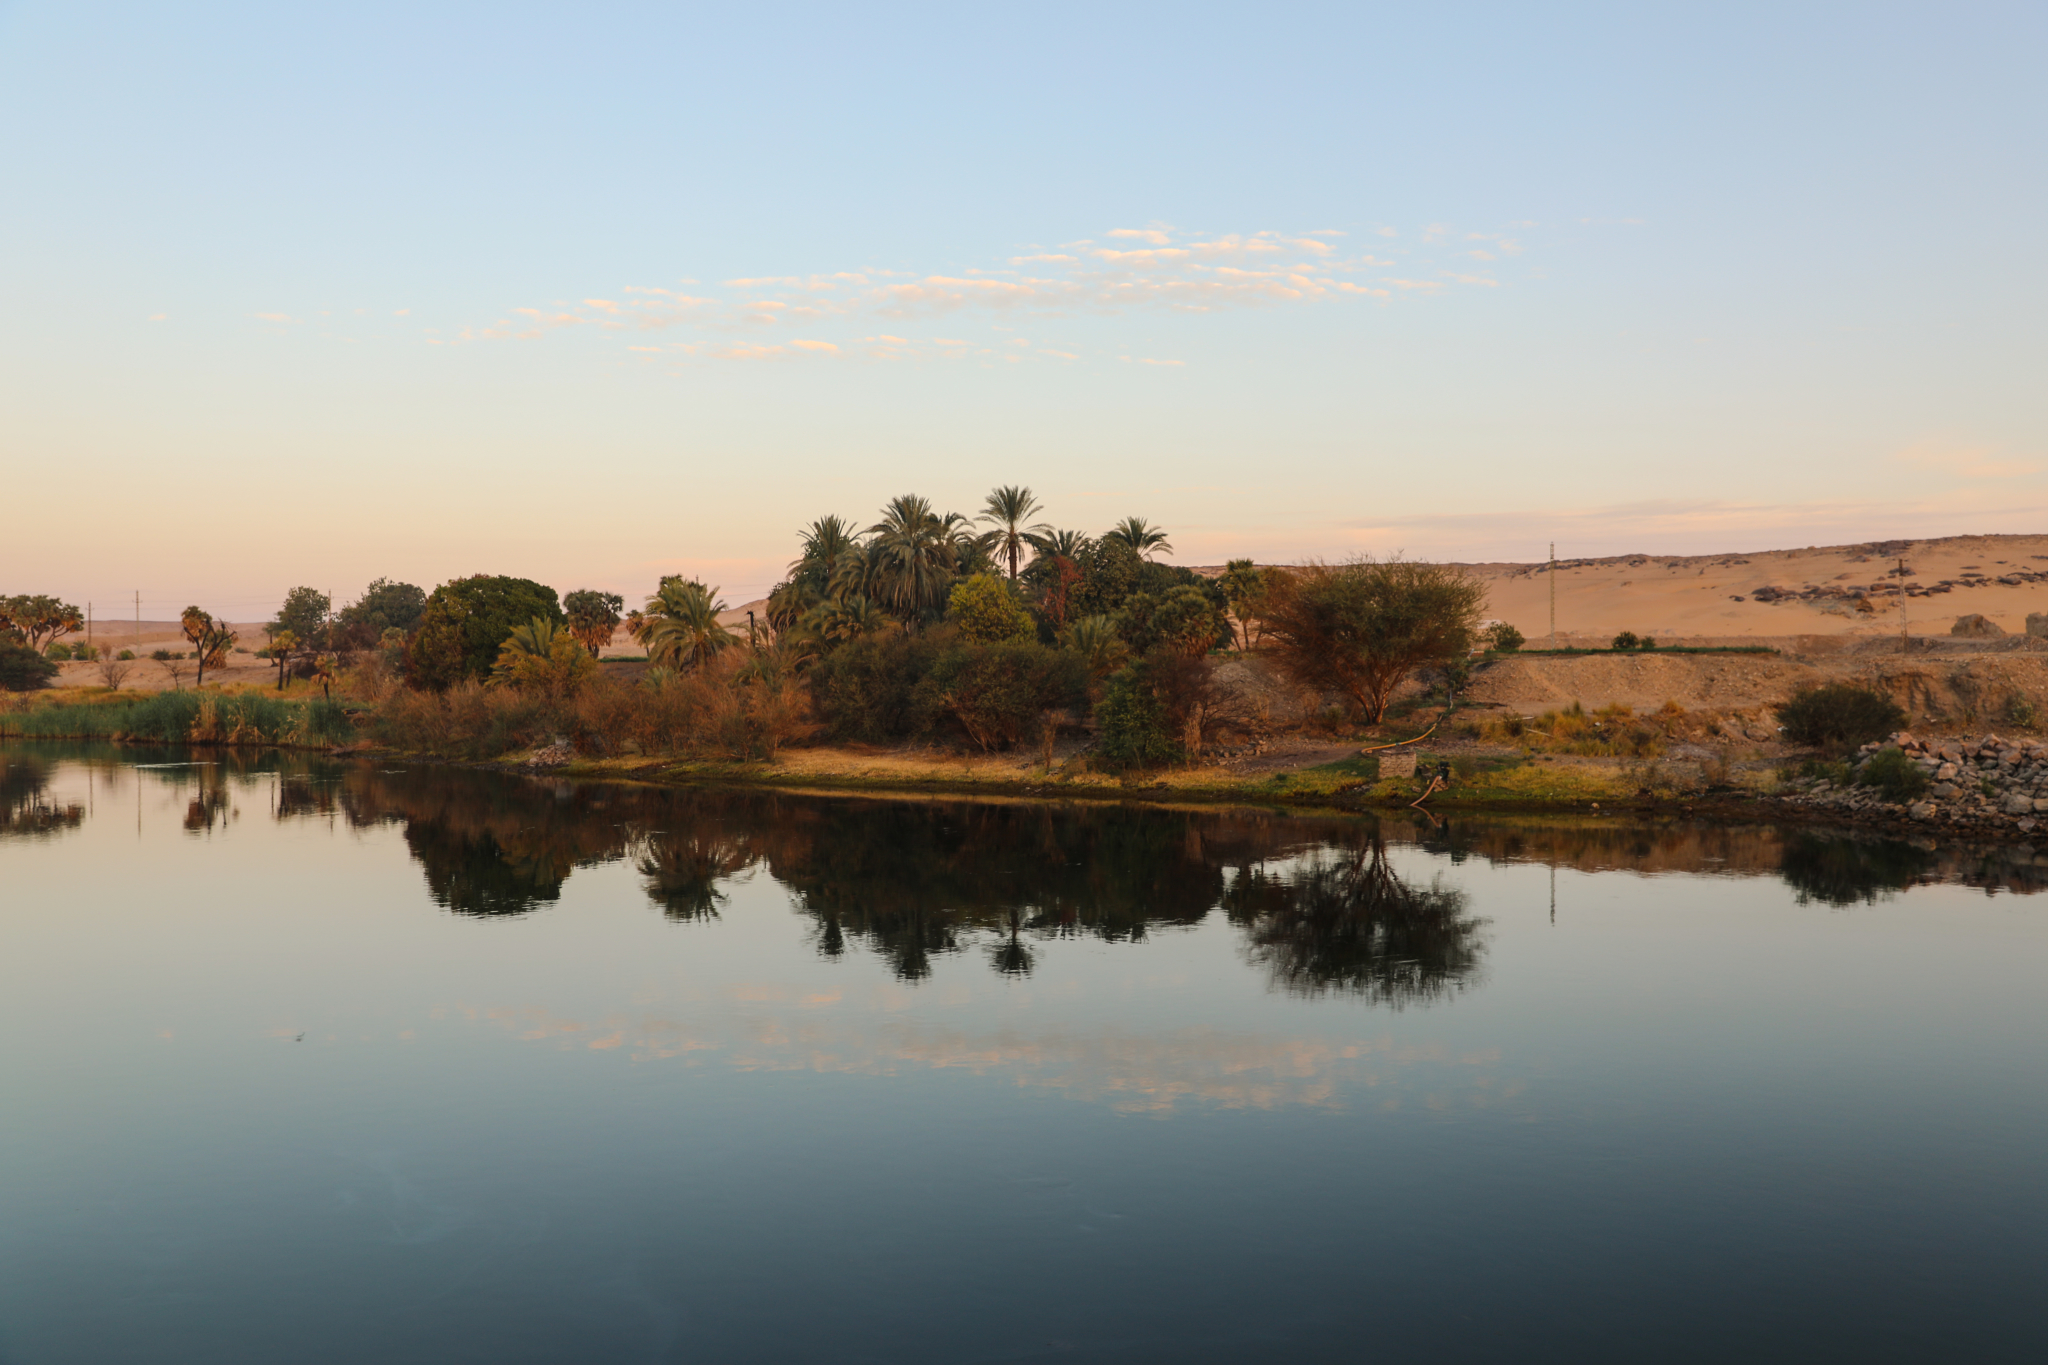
1820,590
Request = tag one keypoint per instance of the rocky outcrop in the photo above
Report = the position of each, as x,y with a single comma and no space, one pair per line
1970,782
2037,624
1976,627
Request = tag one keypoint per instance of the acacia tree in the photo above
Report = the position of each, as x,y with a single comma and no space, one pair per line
593,616
39,619
1361,627
211,639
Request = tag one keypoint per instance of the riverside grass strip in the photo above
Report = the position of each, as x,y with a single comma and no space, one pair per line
188,718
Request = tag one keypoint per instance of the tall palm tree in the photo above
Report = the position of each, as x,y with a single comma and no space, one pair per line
1006,510
1141,535
914,556
824,541
680,627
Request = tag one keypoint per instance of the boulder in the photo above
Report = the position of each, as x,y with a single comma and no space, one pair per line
2037,623
1976,626
2019,805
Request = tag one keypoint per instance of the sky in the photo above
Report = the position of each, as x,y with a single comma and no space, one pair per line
592,294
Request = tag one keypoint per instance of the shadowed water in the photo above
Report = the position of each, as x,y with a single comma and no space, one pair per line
338,1061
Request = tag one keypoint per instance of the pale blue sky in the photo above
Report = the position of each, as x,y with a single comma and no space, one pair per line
1456,280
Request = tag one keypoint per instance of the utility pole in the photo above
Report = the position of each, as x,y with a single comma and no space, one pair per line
88,625
1905,634
137,641
1553,594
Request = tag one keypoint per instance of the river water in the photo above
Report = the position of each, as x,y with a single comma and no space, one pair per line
318,1061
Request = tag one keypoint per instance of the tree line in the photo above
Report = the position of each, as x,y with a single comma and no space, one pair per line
996,627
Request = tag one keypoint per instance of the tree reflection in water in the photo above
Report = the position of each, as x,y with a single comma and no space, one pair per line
25,808
1345,921
911,880
1843,871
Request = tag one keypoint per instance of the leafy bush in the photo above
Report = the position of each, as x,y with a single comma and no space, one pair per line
126,655
1894,774
163,656
466,620
1000,693
22,669
1839,716
59,653
989,612
1626,640
865,688
1504,638
1135,730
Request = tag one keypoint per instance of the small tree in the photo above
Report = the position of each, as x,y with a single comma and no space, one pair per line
988,611
212,641
1626,640
304,614
593,616
541,656
1243,585
114,668
1360,628
23,669
282,643
1504,638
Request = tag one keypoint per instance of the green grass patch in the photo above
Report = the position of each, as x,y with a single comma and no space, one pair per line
1642,653
182,717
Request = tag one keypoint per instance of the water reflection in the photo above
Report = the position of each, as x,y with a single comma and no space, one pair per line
1317,898
1346,921
26,810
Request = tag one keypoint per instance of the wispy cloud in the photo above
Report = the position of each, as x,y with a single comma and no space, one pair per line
1966,461
1126,270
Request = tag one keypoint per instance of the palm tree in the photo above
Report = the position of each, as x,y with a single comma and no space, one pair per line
824,541
914,556
1065,544
1141,535
680,627
1007,509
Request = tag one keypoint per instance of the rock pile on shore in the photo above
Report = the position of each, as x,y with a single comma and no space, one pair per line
1987,781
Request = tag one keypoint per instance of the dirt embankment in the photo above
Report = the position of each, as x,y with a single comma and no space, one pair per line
1938,685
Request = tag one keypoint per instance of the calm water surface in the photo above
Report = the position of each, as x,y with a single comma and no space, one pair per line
323,1062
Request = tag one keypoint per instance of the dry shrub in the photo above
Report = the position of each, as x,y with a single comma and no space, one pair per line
1612,731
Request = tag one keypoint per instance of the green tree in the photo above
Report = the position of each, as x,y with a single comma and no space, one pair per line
988,611
1095,640
1000,693
1243,585
23,669
384,605
1136,730
1006,511
1142,536
465,621
39,619
680,625
1186,621
593,616
1504,638
1360,628
304,614
1109,575
916,555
